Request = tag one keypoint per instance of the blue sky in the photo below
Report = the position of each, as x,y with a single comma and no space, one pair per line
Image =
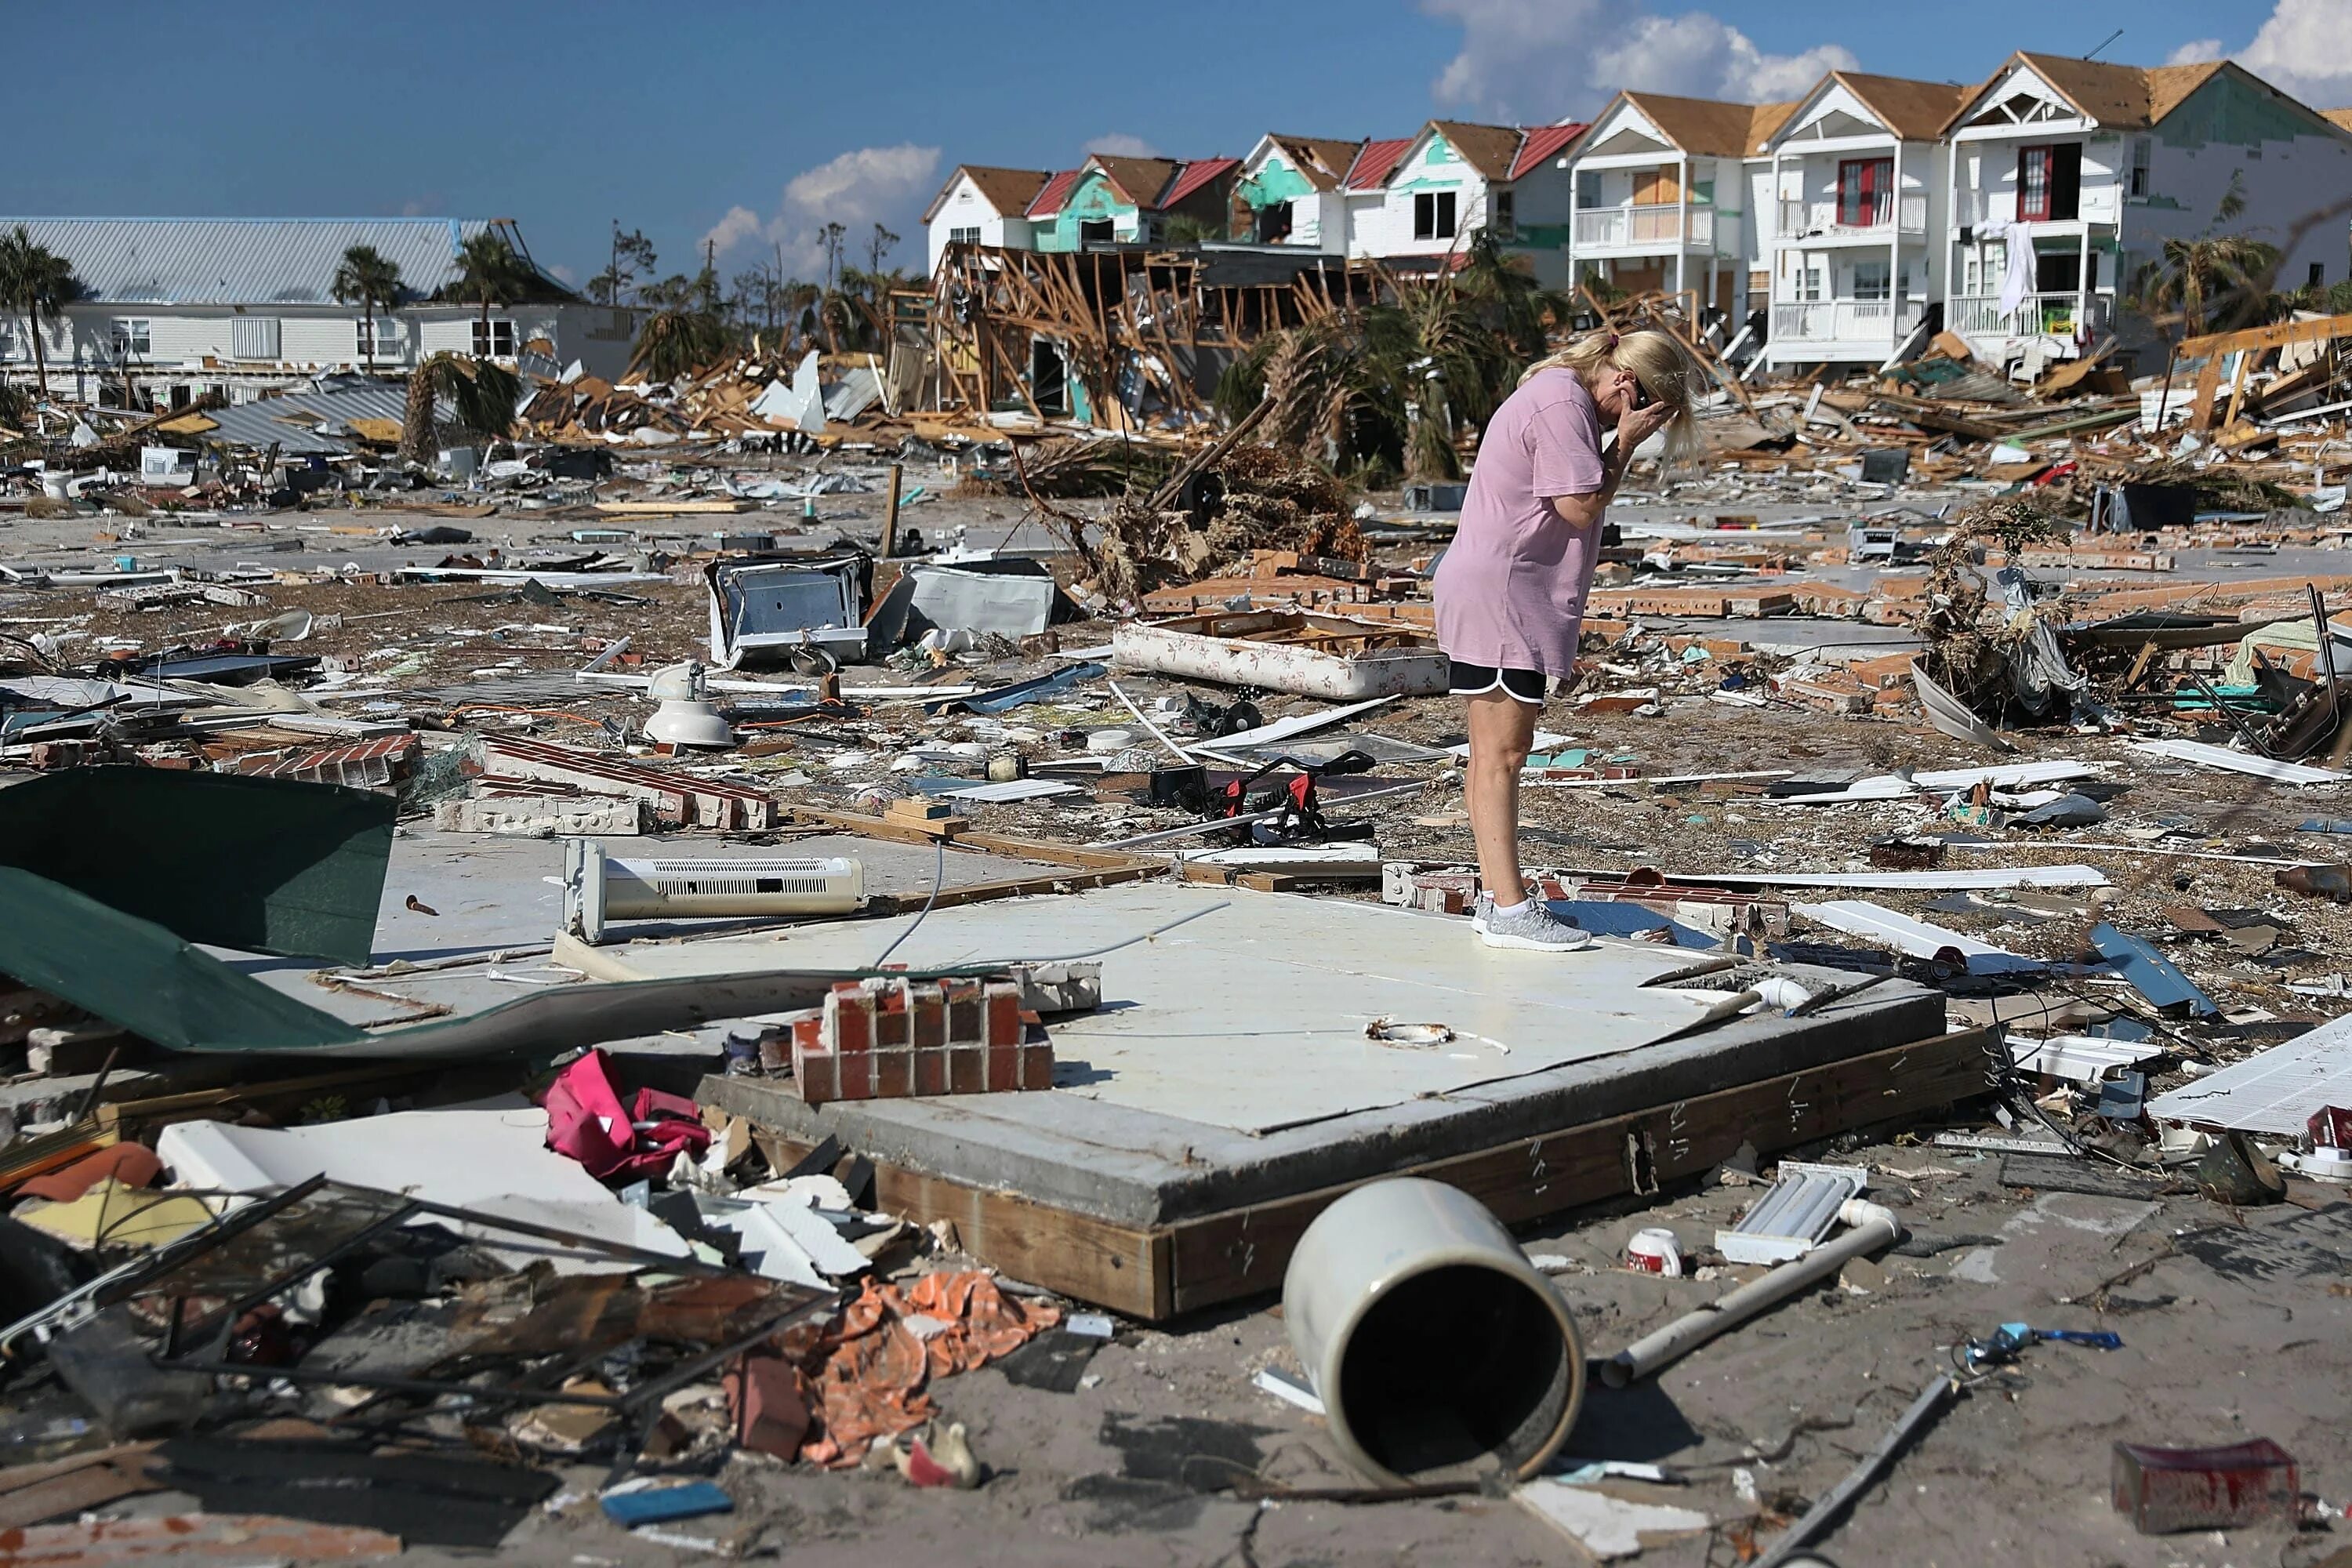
758,123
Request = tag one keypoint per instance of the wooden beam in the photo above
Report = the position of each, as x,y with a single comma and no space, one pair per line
2328,328
1244,1252
1155,1272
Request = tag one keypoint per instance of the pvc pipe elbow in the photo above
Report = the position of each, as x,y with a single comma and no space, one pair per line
1857,1213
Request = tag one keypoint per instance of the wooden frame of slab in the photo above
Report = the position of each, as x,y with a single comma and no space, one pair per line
1156,1272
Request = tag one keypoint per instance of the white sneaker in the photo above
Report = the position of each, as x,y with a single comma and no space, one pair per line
1480,908
1534,927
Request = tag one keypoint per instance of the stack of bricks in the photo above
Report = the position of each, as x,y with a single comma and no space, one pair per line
891,1037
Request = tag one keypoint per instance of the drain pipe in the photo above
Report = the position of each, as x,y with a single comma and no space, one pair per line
1871,1225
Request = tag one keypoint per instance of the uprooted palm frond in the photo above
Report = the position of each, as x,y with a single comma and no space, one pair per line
1070,467
476,397
1266,498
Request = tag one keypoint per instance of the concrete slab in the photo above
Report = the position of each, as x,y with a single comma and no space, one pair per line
1145,1162
1252,1015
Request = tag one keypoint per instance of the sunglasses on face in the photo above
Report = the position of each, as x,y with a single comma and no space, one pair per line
1642,398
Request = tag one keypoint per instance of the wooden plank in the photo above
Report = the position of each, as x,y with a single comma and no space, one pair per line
1243,1253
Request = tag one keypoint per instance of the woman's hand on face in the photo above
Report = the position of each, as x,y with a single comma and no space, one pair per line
1636,426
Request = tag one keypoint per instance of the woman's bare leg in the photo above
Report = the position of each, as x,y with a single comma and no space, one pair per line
1502,728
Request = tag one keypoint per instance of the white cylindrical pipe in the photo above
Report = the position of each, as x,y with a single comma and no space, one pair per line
1436,1348
1871,1225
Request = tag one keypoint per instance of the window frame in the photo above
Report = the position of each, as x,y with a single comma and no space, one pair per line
1884,281
490,348
131,336
1505,214
1873,179
968,234
1435,215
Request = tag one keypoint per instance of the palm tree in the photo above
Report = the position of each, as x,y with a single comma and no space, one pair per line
2222,281
676,340
367,278
489,273
481,397
38,282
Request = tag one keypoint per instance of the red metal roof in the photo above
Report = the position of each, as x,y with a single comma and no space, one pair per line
1376,162
1192,176
1057,191
1542,142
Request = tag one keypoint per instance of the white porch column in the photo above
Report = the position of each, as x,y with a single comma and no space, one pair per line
1951,223
1682,220
1894,258
2083,279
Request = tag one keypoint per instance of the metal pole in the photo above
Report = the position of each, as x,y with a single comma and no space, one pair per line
1833,1502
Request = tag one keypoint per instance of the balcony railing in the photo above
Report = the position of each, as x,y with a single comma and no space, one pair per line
1609,228
1831,218
2037,315
1844,320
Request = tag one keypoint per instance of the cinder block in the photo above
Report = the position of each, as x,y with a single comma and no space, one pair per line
893,1021
968,1069
928,1009
815,1073
964,1025
856,1070
849,1018
931,1070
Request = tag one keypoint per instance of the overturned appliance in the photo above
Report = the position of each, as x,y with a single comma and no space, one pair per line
1009,595
765,614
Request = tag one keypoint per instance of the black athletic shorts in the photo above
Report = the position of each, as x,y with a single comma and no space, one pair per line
1476,679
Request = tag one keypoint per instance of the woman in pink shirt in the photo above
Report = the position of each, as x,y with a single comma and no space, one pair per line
1510,589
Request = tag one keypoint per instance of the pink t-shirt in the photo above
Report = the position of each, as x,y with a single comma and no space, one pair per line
1510,589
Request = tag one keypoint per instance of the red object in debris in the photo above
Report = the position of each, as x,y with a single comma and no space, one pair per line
769,1398
586,1120
2330,1127
133,1164
894,1037
2168,1490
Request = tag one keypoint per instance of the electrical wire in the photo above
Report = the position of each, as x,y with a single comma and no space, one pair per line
938,877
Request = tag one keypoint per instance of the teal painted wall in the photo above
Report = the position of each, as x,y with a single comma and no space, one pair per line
2227,110
1278,182
1092,198
1440,168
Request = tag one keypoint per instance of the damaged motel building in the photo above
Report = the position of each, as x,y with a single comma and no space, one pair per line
1844,228
865,947
174,311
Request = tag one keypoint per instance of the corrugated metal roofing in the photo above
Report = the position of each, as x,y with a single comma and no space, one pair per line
241,261
1375,162
1542,142
290,420
1194,175
1057,191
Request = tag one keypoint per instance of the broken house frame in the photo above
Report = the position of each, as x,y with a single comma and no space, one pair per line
1086,335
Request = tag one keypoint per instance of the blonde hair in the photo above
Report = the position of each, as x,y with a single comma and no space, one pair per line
1654,359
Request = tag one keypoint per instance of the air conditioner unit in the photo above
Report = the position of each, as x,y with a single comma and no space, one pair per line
598,889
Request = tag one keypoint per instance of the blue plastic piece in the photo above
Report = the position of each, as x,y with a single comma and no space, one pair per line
2150,974
1605,918
658,1505
1006,698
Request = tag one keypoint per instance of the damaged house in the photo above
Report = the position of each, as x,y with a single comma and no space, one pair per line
174,310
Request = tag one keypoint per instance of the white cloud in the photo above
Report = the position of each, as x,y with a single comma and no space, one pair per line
1120,145
2196,51
860,188
1534,60
2305,48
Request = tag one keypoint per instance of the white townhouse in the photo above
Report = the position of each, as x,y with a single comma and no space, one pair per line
1663,198
982,206
1292,191
173,309
1856,213
1421,197
2068,176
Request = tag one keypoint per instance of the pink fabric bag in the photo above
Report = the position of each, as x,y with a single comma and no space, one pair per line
586,1120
